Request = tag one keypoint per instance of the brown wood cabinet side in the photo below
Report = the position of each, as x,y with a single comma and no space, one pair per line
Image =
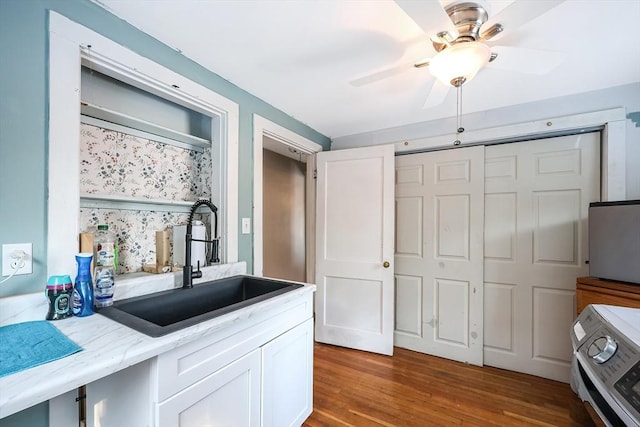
590,290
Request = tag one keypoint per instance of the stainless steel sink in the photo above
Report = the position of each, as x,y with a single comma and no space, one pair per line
169,311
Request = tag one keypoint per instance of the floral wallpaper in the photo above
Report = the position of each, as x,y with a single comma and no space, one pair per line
135,232
116,163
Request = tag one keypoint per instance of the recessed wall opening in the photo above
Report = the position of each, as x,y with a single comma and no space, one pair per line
166,121
143,161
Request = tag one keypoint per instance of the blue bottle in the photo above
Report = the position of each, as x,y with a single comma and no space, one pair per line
83,286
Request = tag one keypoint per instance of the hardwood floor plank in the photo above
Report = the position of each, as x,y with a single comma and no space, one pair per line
360,389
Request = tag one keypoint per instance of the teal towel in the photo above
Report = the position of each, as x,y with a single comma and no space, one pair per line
29,344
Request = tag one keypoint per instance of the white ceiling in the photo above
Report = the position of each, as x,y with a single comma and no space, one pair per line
300,56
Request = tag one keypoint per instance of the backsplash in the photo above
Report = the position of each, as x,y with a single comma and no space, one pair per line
135,231
113,162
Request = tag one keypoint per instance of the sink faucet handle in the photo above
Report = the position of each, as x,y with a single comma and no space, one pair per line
215,257
197,274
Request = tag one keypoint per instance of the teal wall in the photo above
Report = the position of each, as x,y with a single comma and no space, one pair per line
37,416
23,119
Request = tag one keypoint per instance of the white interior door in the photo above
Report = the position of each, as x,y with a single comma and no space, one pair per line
536,205
354,248
439,253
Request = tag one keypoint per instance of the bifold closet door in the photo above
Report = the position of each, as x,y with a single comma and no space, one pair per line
537,195
439,261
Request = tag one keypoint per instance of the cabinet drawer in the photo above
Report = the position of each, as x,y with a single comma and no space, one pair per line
186,365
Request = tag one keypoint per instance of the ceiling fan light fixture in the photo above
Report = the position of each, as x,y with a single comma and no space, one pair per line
459,62
422,63
445,37
493,31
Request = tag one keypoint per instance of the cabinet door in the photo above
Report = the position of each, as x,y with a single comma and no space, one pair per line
63,410
120,399
105,399
287,377
228,397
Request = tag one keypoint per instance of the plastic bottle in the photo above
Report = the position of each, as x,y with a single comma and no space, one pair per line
106,262
106,248
83,287
59,291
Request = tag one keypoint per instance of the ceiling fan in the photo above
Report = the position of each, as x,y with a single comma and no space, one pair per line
462,36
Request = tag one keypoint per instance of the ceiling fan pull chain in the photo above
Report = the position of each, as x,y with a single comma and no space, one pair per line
459,128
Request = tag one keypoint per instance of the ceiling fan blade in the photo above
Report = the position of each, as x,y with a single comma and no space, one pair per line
429,15
383,74
519,13
437,94
525,60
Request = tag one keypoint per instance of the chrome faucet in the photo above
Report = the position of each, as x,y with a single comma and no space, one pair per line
187,272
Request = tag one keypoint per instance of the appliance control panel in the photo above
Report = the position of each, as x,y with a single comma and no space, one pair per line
609,354
585,326
629,389
602,349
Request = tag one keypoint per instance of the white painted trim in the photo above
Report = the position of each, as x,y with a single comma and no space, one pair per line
311,219
613,142
258,159
231,146
114,120
69,45
284,135
141,133
263,127
614,161
63,193
532,129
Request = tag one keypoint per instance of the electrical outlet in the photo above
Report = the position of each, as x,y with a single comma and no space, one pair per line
9,261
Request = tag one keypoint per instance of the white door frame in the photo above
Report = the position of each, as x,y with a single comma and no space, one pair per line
613,160
261,128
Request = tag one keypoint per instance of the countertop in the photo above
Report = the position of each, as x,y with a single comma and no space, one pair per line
107,346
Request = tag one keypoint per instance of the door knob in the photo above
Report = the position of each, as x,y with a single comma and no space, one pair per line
386,264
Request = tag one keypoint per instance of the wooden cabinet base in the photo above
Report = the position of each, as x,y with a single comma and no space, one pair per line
590,290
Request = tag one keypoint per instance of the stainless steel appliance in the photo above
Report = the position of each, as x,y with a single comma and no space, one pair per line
606,364
614,241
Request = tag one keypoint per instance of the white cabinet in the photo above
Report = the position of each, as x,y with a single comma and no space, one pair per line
258,375
229,397
116,400
63,410
120,399
287,377
256,371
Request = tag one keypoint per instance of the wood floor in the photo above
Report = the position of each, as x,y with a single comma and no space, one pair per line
355,388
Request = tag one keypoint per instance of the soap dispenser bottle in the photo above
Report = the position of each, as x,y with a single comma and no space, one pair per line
83,286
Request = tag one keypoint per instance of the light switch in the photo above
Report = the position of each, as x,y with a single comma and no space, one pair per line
246,225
